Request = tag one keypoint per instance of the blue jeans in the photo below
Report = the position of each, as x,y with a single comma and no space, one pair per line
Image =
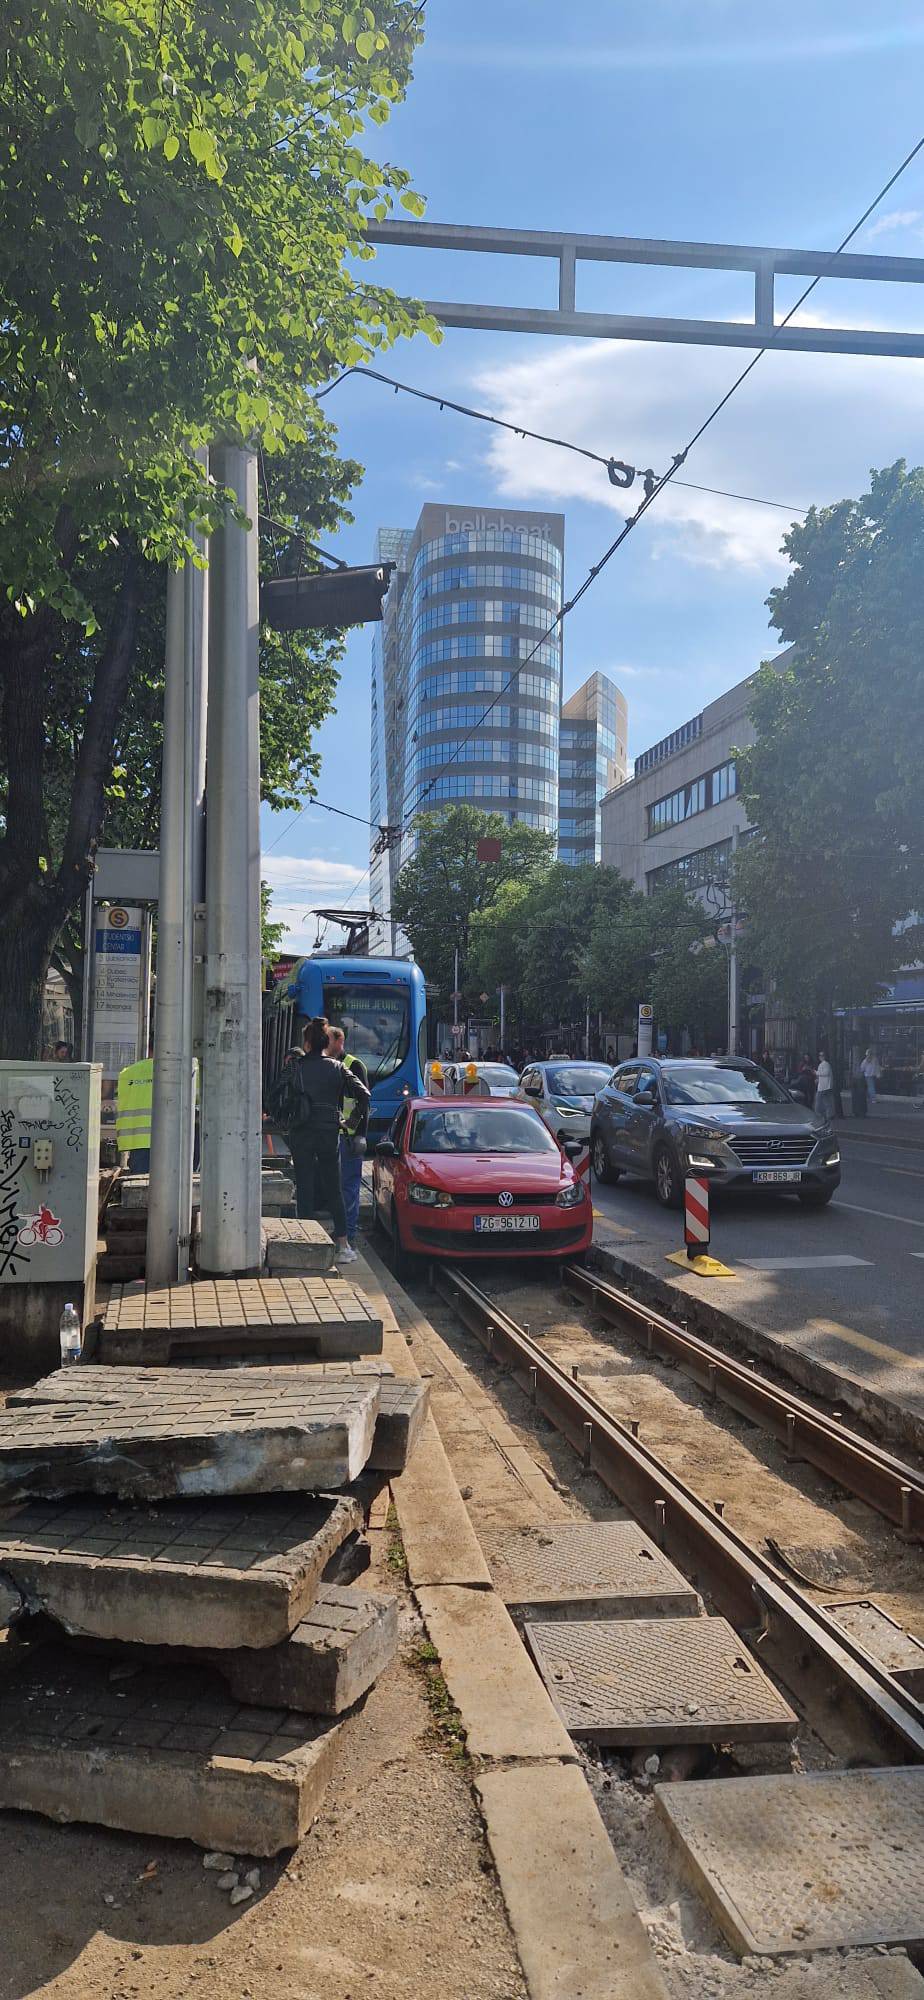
351,1180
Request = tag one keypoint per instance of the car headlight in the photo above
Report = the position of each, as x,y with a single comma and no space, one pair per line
566,1110
832,1159
699,1160
428,1197
571,1197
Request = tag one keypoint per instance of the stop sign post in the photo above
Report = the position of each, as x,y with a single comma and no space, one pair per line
695,1216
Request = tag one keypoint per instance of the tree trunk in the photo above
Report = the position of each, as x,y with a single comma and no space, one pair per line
26,956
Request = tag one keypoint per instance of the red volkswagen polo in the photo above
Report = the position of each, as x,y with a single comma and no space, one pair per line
468,1176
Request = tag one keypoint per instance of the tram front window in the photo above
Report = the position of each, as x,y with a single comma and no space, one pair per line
376,1025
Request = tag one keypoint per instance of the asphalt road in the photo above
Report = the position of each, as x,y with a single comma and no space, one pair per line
856,1267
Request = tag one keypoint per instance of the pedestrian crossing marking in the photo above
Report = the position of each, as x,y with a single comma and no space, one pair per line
822,1263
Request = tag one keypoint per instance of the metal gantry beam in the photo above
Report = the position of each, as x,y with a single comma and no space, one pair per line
568,249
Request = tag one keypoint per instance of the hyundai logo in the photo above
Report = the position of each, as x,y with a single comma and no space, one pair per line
505,1199
775,1145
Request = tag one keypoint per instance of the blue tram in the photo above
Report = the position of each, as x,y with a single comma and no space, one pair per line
381,1004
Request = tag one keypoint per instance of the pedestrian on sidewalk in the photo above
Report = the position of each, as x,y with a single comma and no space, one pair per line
824,1090
871,1071
309,1100
355,1120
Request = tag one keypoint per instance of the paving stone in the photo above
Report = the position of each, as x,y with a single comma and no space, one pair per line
168,1752
317,1439
588,1569
217,1573
295,1247
818,1861
650,1680
401,1414
325,1316
334,1655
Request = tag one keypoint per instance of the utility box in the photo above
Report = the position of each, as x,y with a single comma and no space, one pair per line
49,1195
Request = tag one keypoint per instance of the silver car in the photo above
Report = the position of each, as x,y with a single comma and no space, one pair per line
726,1120
563,1091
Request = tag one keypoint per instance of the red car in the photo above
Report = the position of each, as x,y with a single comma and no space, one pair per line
468,1176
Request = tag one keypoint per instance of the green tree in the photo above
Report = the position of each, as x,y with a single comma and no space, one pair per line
651,948
271,932
440,891
833,779
183,186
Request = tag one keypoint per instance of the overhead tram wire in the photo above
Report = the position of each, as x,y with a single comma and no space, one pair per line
679,459
541,437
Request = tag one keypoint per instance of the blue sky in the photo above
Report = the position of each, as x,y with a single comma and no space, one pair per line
709,119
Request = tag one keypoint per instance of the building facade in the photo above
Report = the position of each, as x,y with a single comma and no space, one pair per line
593,733
679,818
454,717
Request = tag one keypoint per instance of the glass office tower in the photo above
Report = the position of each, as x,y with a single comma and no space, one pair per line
592,760
452,716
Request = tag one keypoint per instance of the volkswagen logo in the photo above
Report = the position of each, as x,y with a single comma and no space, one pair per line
505,1199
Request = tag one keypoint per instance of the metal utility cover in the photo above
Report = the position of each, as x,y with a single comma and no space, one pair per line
658,1680
893,1647
588,1569
813,1862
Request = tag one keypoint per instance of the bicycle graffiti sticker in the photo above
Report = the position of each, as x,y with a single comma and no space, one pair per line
41,1228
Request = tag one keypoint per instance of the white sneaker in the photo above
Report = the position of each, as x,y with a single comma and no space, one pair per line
346,1255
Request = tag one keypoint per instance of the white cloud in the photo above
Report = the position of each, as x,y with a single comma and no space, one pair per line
301,883
804,429
896,218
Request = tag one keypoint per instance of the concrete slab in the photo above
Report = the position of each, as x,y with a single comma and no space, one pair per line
574,1923
326,1316
490,1678
440,1543
329,1662
649,1680
294,1248
218,1574
167,1752
275,1187
317,1440
403,1411
812,1862
588,1569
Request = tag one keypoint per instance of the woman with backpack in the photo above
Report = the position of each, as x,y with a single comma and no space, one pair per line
309,1100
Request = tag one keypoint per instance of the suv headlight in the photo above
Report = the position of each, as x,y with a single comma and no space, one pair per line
571,1197
565,1110
428,1197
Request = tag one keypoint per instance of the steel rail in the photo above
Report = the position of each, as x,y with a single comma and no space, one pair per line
818,1662
894,1489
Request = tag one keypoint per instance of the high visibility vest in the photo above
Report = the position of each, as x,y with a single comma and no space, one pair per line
134,1094
353,1110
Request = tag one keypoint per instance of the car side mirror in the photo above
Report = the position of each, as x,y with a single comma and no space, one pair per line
573,1147
533,1089
386,1150
645,1097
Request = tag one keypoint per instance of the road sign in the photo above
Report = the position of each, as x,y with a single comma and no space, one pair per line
695,1214
581,1164
645,1025
484,998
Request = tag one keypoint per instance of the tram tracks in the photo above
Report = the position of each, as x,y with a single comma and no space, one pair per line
866,1711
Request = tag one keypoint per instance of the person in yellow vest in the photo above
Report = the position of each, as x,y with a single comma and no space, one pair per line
134,1097
352,1135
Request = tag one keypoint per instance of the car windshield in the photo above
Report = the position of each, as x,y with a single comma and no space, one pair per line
720,1083
500,1074
475,1129
576,1079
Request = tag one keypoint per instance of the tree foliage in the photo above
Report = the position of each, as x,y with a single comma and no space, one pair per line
833,780
184,195
441,890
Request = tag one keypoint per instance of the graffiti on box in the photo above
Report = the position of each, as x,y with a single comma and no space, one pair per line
12,1253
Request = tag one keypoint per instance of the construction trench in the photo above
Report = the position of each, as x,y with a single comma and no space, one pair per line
493,1638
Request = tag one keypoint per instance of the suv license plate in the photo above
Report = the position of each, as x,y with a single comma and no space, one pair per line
780,1174
504,1225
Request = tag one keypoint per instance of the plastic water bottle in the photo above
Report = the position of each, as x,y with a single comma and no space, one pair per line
70,1336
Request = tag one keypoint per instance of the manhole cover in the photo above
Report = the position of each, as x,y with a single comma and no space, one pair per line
658,1680
813,1862
589,1569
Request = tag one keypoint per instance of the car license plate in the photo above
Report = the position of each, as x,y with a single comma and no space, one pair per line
780,1174
505,1225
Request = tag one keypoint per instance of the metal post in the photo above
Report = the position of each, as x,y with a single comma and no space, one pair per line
733,966
89,974
503,1017
455,988
181,857
231,1094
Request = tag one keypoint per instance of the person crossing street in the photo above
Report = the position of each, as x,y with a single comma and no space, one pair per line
355,1117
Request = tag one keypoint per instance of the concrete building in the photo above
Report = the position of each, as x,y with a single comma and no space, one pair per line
473,592
591,760
678,818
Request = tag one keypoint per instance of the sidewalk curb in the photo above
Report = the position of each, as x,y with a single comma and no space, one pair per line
575,1926
888,1420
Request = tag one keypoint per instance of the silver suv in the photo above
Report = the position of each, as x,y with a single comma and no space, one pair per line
726,1120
